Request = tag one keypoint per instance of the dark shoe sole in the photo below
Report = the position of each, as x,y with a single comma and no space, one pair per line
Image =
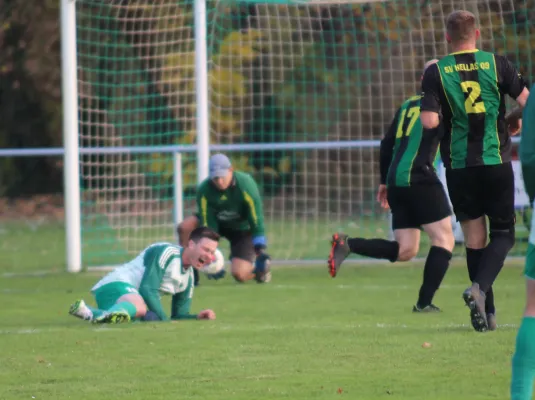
426,310
330,262
477,312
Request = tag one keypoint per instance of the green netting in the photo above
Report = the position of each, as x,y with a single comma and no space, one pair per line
279,72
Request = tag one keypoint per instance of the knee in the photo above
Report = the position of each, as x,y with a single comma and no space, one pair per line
503,231
475,241
240,276
446,241
242,270
507,237
141,310
407,251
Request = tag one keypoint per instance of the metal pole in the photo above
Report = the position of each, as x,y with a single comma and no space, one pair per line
178,198
71,166
201,82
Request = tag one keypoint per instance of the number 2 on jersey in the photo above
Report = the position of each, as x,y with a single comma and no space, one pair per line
412,116
471,105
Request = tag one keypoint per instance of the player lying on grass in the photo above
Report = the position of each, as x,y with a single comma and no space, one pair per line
133,289
412,190
468,87
524,356
229,202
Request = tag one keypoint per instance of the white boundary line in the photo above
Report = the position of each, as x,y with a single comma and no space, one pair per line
361,263
253,328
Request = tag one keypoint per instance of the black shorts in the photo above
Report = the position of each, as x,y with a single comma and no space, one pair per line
483,190
241,244
414,206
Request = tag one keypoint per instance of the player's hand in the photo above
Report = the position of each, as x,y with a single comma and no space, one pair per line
206,314
217,275
514,126
381,197
514,122
262,267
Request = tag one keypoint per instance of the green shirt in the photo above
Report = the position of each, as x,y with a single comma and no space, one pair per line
469,88
527,145
408,152
158,270
238,208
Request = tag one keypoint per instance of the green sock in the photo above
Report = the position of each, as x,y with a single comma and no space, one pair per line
524,361
97,312
124,306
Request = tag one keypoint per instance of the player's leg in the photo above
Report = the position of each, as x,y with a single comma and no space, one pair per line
431,209
80,309
121,303
475,232
499,207
184,229
466,195
342,245
523,365
242,255
524,356
436,263
498,204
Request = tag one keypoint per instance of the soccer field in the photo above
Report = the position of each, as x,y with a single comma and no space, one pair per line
303,336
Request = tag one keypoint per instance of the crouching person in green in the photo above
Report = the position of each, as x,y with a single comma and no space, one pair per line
229,202
133,289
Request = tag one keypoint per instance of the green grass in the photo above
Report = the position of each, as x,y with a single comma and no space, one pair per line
38,246
303,336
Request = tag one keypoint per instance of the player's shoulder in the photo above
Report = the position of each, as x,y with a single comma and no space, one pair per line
243,178
411,100
499,59
167,251
204,186
432,72
162,246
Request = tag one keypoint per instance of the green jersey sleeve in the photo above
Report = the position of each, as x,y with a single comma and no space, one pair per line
181,303
149,288
206,212
255,212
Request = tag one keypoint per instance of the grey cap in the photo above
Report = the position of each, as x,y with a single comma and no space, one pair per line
219,166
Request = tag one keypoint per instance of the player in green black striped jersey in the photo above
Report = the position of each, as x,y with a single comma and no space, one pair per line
524,357
229,202
468,87
406,153
412,190
133,289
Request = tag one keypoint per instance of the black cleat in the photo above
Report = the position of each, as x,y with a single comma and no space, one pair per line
491,322
431,308
339,252
475,300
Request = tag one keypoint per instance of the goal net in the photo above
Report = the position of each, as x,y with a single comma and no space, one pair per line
316,83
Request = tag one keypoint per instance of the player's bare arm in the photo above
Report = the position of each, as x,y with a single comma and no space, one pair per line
514,118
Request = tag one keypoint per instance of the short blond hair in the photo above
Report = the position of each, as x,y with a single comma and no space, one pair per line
461,26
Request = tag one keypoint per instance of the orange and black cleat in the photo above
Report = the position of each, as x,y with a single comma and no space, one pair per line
339,252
